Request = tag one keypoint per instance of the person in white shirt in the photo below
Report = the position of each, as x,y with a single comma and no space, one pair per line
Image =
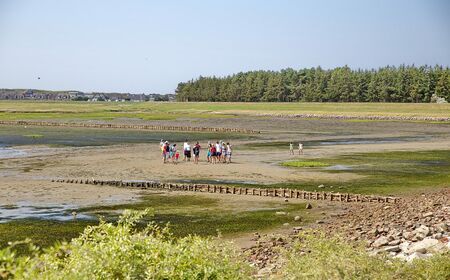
291,148
185,145
187,152
300,148
228,153
218,151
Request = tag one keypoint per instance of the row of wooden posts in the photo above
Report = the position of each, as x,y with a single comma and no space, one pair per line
131,126
284,193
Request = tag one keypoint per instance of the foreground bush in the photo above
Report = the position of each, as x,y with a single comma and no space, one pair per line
109,251
316,256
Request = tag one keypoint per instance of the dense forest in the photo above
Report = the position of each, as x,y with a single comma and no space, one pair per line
342,84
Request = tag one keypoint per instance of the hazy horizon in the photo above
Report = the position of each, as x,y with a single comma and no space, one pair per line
148,47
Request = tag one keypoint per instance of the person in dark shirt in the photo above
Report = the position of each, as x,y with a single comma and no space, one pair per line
196,151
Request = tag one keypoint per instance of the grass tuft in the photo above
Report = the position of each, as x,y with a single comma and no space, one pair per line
316,256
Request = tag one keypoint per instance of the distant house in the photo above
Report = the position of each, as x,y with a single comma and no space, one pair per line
98,97
33,94
75,94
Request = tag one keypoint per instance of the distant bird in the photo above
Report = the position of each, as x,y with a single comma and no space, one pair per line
39,78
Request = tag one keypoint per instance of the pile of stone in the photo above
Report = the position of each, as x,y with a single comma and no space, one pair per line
415,227
265,255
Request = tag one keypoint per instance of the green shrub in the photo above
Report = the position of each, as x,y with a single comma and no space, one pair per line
110,251
316,256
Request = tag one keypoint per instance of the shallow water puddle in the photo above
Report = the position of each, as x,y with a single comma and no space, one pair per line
6,152
338,167
24,210
352,141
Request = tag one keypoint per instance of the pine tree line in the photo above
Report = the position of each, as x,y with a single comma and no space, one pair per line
341,84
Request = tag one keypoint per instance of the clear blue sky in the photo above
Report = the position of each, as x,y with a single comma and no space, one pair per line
150,46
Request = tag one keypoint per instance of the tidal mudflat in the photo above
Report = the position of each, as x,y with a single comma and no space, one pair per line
376,157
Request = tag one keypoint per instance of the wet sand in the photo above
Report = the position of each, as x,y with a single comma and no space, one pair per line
28,178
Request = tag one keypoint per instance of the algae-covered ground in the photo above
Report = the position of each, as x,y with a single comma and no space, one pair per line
79,137
389,173
184,215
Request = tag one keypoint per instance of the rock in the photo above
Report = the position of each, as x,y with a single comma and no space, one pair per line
394,242
321,186
401,256
297,229
381,241
428,214
280,213
265,271
442,227
297,218
421,232
444,239
404,246
308,206
320,222
392,248
286,224
408,235
417,255
423,246
437,236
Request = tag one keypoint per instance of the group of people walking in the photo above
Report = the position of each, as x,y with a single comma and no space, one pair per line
219,152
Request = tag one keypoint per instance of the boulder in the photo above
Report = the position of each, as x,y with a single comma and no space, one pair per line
424,246
441,227
421,232
404,246
281,213
394,249
394,242
437,235
297,218
417,255
381,241
401,256
308,206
